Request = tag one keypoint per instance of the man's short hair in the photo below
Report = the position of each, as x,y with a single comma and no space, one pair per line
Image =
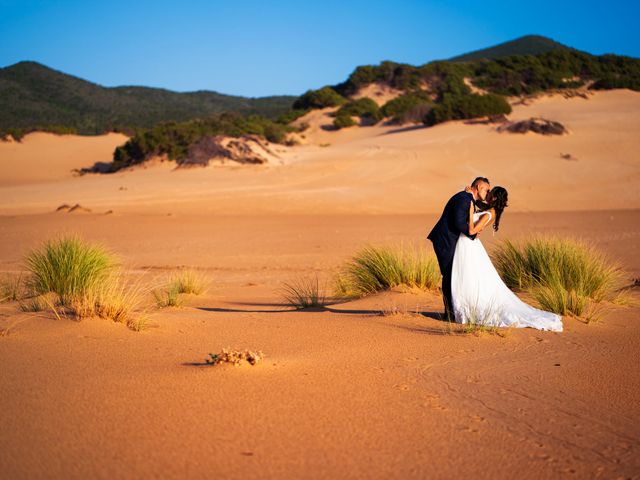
479,180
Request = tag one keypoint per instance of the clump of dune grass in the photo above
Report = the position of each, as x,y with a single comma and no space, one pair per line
480,319
377,268
119,302
304,293
168,297
565,276
69,267
138,323
173,289
71,276
188,282
11,288
37,303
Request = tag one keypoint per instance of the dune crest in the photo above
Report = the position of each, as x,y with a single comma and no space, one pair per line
378,169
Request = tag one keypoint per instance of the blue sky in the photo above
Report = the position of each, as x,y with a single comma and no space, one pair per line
273,47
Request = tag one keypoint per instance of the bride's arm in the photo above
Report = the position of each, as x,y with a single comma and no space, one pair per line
482,222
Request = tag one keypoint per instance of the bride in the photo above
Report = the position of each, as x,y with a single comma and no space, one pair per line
478,293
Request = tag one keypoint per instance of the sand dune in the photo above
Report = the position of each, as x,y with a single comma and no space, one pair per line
343,393
369,170
45,157
346,392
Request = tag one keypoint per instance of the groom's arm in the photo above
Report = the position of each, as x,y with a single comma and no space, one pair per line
461,216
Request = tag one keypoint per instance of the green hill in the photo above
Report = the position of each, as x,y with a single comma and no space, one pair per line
442,90
527,45
33,96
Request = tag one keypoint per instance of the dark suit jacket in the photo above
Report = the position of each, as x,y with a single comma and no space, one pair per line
453,222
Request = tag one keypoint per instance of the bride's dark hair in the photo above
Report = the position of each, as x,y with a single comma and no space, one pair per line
499,197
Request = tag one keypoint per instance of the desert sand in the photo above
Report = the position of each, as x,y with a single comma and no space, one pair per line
372,388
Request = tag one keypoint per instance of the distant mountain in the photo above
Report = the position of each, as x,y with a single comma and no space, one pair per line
527,45
34,96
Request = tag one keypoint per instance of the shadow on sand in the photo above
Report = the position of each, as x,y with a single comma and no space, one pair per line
278,308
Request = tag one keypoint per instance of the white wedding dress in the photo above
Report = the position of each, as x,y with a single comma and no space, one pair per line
480,296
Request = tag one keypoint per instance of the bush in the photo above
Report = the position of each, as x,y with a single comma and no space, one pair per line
343,121
322,98
365,108
410,107
610,82
467,106
174,139
374,269
563,274
292,115
396,75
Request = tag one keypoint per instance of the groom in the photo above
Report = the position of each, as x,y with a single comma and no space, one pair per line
444,236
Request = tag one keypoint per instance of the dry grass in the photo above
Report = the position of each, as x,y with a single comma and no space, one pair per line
188,282
37,303
172,290
304,293
12,287
169,297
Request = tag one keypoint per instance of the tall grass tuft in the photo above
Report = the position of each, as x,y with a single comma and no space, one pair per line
69,267
37,303
169,297
11,288
187,281
304,293
117,301
565,276
375,268
69,275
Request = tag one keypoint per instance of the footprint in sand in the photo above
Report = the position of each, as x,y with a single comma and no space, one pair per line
477,418
468,429
411,359
432,401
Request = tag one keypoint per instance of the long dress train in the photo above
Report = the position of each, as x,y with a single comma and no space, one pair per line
480,296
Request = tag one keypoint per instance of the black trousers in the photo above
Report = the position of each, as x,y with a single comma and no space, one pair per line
445,262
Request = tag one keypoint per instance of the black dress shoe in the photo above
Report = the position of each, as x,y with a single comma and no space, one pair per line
448,317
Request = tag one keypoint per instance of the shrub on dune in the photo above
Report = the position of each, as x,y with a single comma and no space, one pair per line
410,107
374,269
460,107
343,121
321,98
365,108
